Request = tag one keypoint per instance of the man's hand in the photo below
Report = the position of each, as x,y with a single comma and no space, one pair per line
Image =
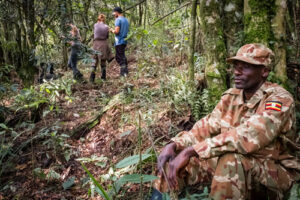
180,162
115,31
167,154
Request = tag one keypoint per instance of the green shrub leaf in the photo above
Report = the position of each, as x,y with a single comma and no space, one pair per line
132,160
136,178
69,183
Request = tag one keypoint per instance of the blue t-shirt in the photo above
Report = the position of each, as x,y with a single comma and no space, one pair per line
123,23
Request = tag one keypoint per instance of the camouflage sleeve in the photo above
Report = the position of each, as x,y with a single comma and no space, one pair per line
202,129
255,133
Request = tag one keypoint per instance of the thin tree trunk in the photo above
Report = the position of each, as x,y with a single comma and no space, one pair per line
28,69
192,43
140,14
233,24
215,49
144,26
63,26
279,30
6,36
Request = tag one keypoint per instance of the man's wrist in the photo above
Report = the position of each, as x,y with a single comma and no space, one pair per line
190,152
172,145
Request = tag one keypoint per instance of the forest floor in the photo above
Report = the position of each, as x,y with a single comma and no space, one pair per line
49,167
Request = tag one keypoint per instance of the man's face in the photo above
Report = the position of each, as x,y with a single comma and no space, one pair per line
248,76
115,14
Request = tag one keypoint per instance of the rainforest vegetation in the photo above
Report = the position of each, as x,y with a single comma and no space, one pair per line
62,138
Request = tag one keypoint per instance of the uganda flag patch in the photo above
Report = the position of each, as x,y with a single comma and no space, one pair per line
273,105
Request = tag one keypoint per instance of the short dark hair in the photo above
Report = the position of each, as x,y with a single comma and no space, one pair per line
118,9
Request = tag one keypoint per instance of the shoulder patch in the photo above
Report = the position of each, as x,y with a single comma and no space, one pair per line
273,105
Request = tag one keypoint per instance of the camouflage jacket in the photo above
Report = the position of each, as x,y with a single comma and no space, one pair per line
263,127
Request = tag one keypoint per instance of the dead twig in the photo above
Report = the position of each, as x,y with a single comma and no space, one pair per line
173,11
134,5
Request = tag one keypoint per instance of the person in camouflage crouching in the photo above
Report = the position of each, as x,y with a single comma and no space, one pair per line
247,139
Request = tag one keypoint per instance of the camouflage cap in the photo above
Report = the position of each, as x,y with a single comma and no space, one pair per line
256,54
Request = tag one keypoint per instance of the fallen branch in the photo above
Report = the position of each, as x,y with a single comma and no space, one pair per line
86,126
134,5
186,4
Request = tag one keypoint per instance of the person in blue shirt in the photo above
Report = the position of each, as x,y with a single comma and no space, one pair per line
121,30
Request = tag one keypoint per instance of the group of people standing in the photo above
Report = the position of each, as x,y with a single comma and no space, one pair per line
101,44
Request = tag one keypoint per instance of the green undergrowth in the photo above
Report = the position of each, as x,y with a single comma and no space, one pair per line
170,92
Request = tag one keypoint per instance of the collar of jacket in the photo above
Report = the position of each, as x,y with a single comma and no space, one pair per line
255,99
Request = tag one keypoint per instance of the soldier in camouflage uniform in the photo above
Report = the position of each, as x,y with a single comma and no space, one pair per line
247,139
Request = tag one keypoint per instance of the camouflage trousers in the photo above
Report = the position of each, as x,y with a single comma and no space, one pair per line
231,176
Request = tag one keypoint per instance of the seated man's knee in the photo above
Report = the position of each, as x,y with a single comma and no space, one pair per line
229,180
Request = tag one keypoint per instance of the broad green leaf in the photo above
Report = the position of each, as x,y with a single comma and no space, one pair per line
84,159
136,178
100,164
67,155
3,126
53,175
132,160
69,183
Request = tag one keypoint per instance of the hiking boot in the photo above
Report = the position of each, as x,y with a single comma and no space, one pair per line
103,75
92,77
124,70
79,77
156,195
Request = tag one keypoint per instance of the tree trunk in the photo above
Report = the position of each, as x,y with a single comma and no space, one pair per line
144,25
279,30
6,37
257,24
64,19
214,47
140,14
260,26
28,69
233,28
233,25
192,43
